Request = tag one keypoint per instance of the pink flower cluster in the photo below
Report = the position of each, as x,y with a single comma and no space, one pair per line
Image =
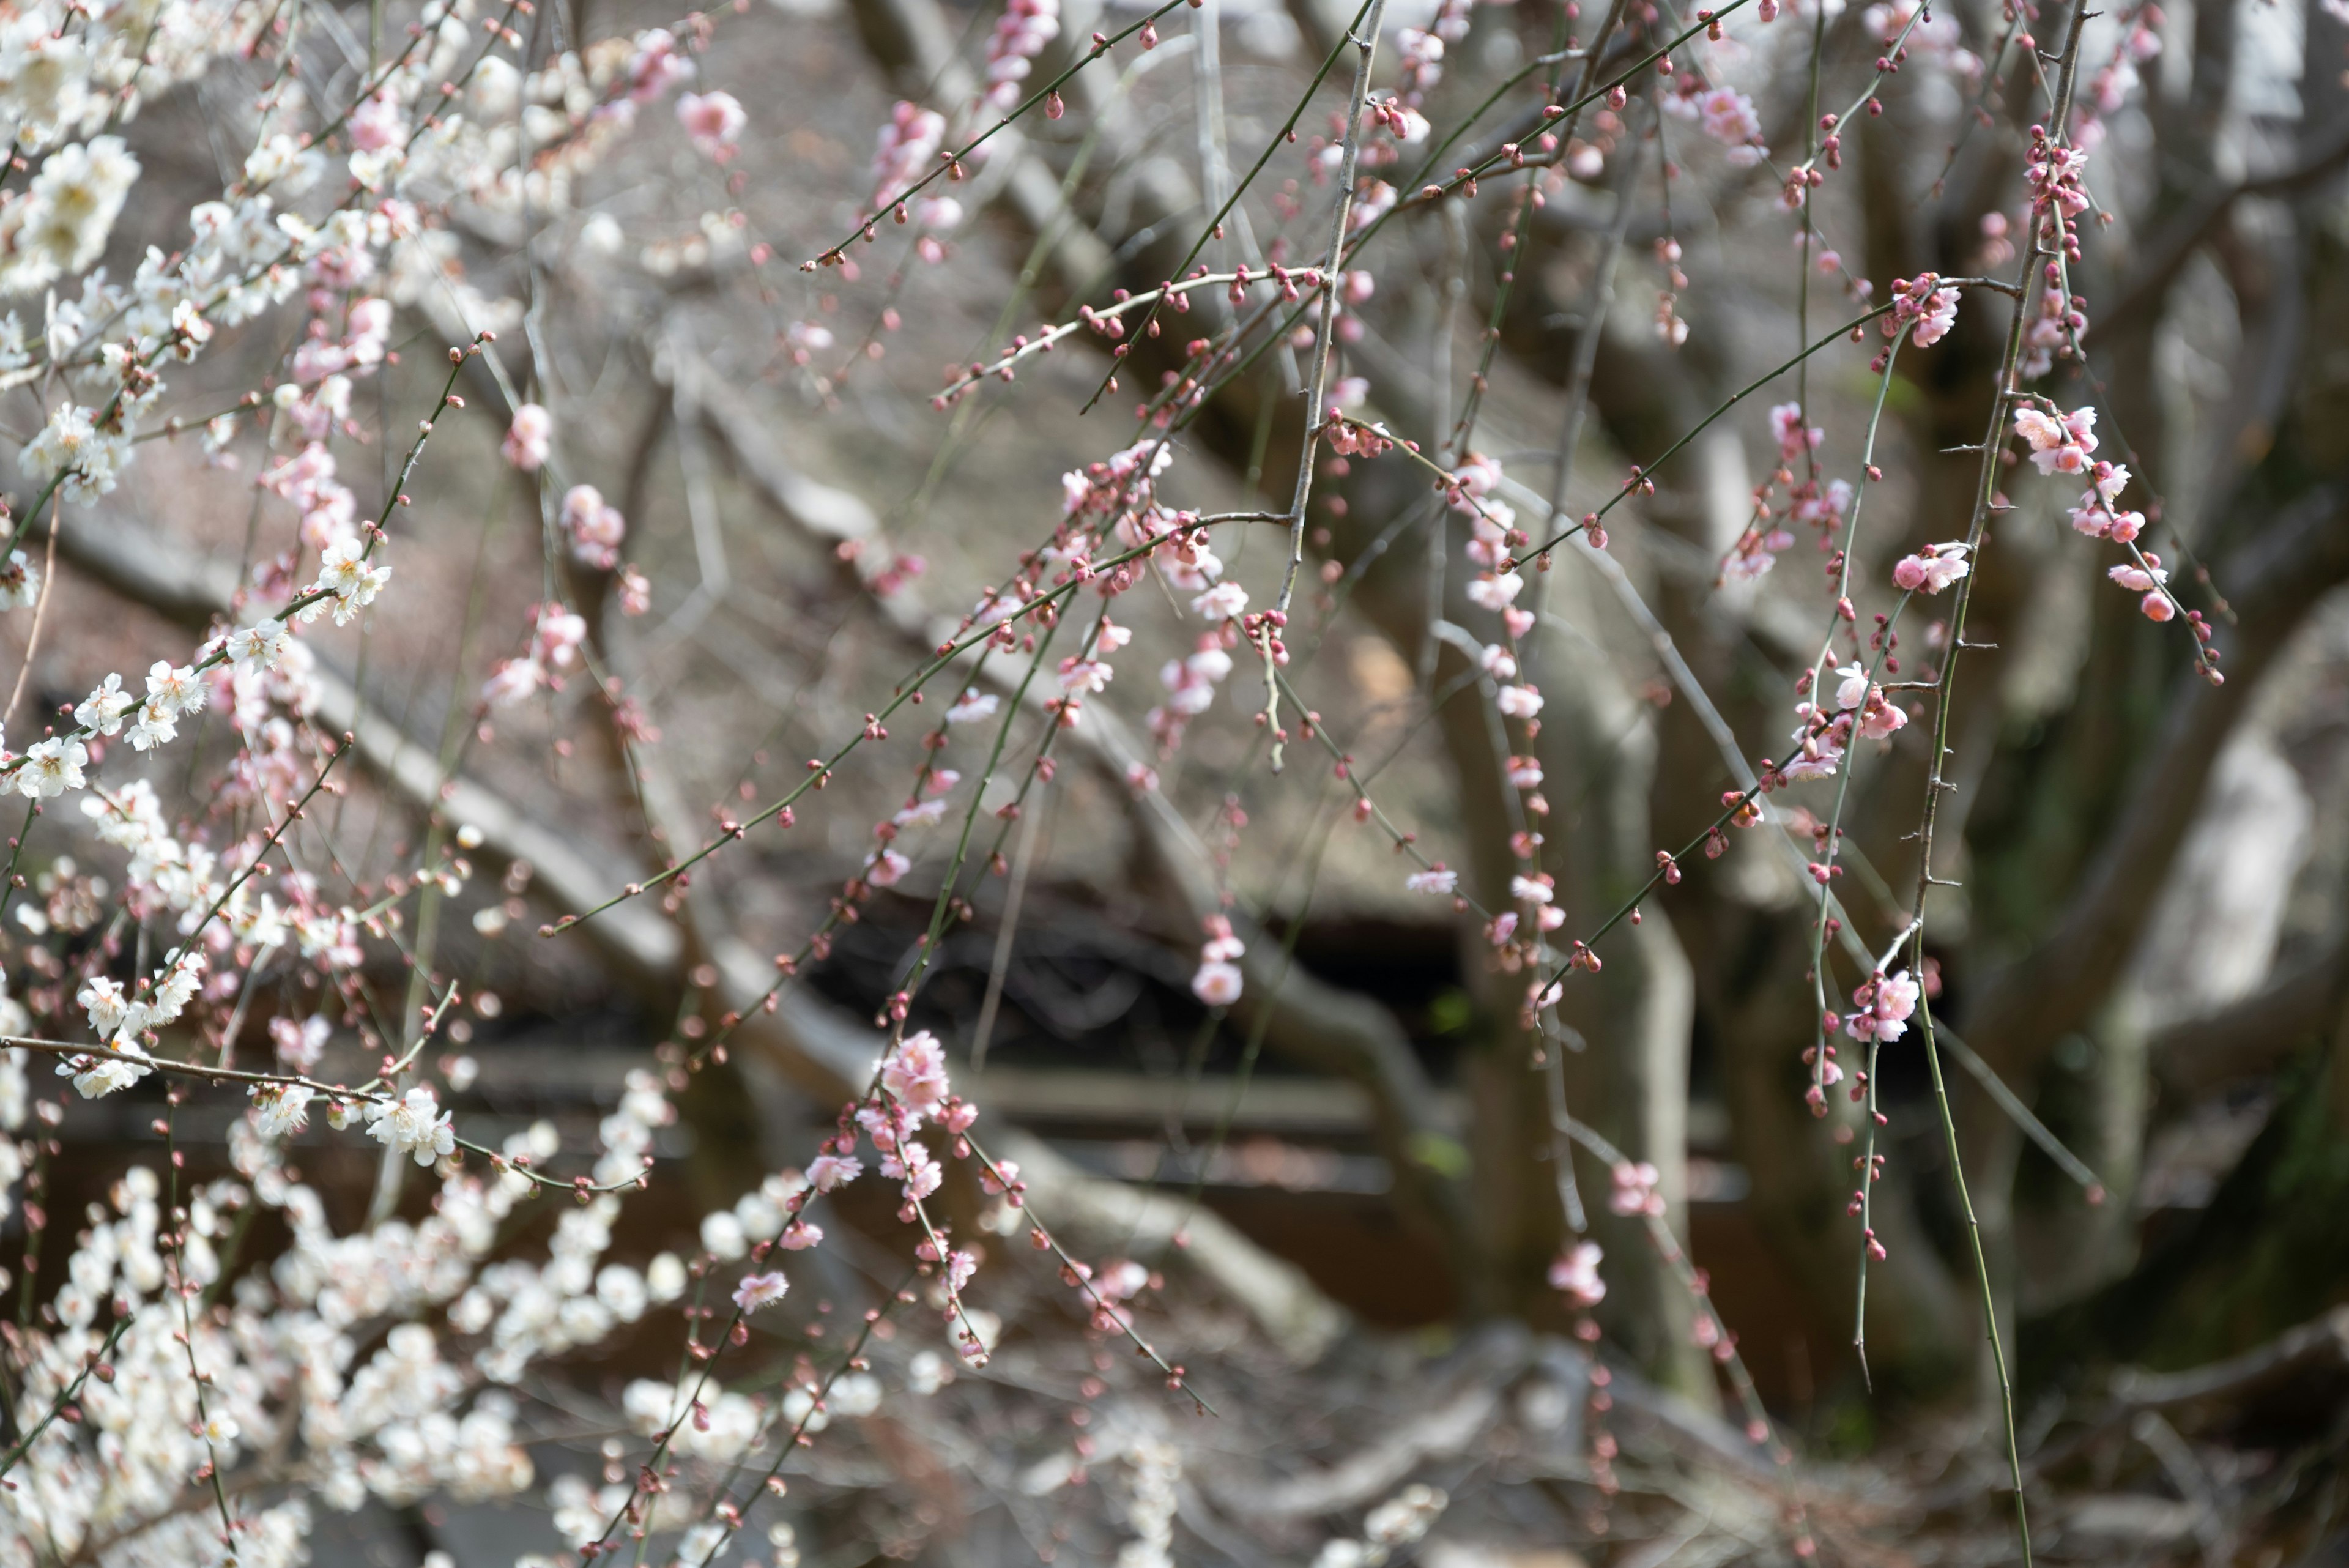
2059,443
1860,709
906,150
555,638
1881,1008
1926,305
1019,35
593,528
714,120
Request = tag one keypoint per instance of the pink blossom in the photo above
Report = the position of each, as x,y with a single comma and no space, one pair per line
556,636
595,529
377,123
513,682
1217,983
1435,880
888,869
529,437
1225,601
831,1172
1931,570
921,1173
1794,437
1493,592
1728,116
714,120
1938,317
1518,701
915,1072
758,1291
657,66
1879,717
1881,1008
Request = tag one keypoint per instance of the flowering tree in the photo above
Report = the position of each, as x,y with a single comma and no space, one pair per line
1526,357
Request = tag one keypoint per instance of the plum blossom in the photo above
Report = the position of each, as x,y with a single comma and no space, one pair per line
1493,592
347,581
831,1172
714,120
102,711
254,648
1934,322
529,439
51,767
20,582
414,1124
972,707
657,66
1931,569
1437,878
915,1072
280,1110
1225,601
758,1291
593,528
1217,984
1881,1008
2058,445
1728,116
1219,981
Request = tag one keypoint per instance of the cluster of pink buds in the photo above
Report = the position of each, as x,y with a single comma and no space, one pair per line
556,636
1352,437
593,528
906,150
2053,175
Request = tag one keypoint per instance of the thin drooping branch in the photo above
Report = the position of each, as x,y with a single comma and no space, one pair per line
823,1049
